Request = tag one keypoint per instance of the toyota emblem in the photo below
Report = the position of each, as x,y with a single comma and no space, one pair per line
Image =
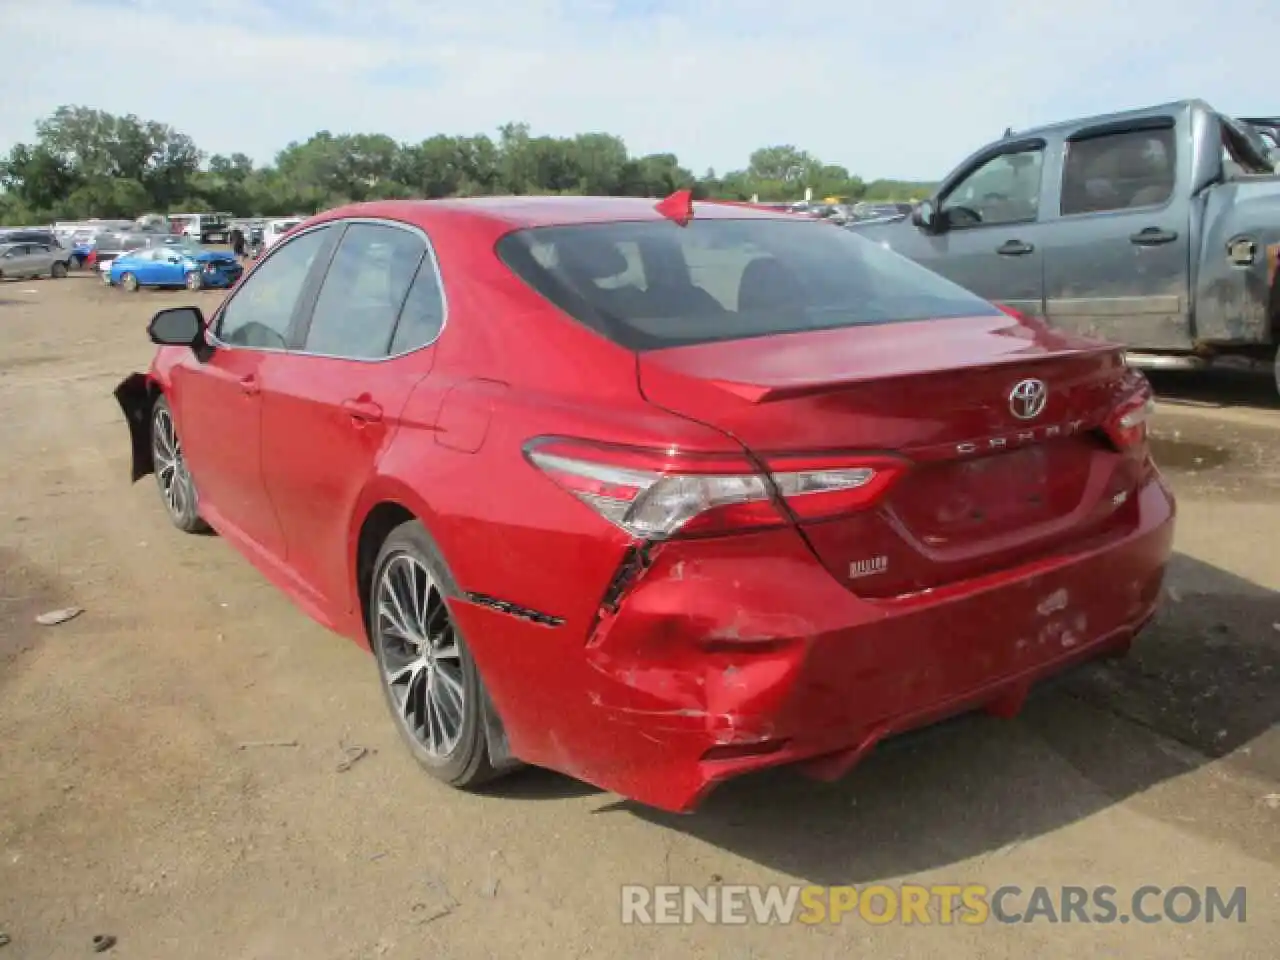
1027,399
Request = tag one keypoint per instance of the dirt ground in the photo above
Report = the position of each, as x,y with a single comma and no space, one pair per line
130,808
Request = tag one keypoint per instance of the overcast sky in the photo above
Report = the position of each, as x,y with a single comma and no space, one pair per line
886,89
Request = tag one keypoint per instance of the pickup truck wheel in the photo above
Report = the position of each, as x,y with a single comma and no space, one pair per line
58,271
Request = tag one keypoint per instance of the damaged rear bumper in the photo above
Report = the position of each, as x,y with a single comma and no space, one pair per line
735,654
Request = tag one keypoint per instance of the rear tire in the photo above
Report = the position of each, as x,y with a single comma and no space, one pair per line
428,678
58,270
195,281
129,282
177,489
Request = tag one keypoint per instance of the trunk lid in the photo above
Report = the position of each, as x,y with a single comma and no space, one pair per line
985,490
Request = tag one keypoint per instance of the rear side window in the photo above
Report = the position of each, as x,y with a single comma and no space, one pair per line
1119,171
363,291
649,285
423,312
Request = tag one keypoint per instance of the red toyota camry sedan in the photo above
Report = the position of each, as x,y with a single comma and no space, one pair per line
657,494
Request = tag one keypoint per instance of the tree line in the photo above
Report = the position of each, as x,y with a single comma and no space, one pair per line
88,163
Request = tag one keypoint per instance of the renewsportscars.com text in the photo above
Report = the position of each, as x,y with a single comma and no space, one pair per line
969,904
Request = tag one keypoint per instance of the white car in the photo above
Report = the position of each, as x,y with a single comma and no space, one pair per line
273,230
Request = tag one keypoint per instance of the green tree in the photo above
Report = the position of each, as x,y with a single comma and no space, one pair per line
85,162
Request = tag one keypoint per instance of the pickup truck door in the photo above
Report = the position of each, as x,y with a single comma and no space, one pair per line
1118,263
17,261
989,238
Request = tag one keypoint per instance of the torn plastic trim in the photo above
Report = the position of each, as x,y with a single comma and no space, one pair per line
515,610
136,395
635,563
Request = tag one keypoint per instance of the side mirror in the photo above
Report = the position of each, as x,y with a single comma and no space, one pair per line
177,327
925,216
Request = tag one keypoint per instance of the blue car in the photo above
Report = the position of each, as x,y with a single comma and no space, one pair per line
174,265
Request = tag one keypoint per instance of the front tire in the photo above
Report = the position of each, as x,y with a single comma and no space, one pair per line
429,680
58,270
129,282
195,281
177,489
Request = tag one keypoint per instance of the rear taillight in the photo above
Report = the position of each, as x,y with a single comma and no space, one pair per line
657,494
1126,427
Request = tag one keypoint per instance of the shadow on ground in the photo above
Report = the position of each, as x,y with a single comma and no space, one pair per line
1202,682
1216,388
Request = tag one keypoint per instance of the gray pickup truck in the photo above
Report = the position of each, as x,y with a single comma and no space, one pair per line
1157,228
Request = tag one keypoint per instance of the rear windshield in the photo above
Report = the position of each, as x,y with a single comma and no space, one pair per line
649,285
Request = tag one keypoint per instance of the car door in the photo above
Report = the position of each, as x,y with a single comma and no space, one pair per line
17,262
1118,263
167,268
992,237
331,408
142,265
218,399
43,257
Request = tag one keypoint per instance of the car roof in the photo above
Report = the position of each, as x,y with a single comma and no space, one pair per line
522,212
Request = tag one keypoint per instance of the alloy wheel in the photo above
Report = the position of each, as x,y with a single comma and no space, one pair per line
171,468
419,656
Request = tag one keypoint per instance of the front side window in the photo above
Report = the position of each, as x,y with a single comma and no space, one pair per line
1119,171
260,313
363,291
650,285
1004,189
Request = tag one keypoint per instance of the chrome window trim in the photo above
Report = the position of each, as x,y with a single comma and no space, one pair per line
344,222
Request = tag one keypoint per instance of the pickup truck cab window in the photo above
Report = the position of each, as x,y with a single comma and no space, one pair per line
1119,171
1004,189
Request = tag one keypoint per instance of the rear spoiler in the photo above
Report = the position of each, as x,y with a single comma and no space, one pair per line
758,393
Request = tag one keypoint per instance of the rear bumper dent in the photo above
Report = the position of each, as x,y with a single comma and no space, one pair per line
741,653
